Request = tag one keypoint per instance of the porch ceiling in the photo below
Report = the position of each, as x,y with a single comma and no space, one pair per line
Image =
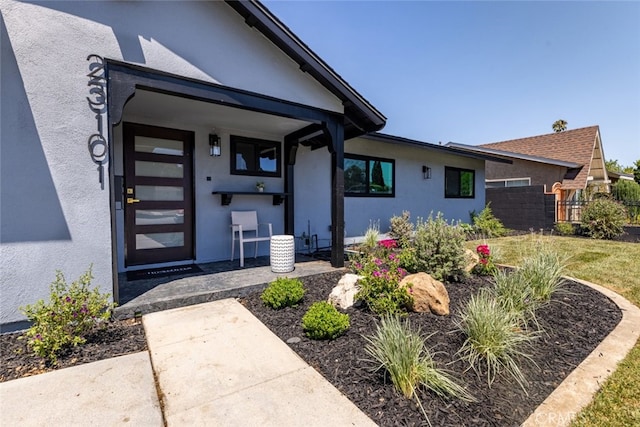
173,109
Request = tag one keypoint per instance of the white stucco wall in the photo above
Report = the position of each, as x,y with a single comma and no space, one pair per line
54,213
413,193
312,191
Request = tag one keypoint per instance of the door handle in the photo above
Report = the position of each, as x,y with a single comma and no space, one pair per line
131,200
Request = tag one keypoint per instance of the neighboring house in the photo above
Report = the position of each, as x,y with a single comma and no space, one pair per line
130,130
617,176
569,164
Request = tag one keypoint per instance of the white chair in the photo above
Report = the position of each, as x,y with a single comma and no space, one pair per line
243,222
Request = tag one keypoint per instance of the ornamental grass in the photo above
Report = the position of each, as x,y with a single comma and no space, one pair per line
404,356
495,341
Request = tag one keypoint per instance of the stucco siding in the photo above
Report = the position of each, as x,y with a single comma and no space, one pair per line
55,215
412,192
313,193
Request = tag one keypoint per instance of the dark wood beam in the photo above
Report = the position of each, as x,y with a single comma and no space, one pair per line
336,148
124,79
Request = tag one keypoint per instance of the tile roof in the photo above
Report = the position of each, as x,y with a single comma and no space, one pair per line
575,146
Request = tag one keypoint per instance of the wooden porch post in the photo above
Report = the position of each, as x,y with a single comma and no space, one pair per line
290,150
336,148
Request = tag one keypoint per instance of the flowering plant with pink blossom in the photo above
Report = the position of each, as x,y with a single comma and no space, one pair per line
485,264
388,244
379,286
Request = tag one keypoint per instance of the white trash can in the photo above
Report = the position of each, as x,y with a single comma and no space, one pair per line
283,254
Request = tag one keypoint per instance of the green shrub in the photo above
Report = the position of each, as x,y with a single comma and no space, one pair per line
402,353
283,292
604,219
439,249
380,275
542,271
401,229
486,224
494,342
323,321
564,228
625,190
72,312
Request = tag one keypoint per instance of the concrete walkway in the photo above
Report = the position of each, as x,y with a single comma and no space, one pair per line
216,364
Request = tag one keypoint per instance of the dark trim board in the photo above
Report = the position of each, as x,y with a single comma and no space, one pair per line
360,116
125,78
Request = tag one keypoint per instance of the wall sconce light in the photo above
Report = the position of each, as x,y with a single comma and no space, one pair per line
214,145
426,172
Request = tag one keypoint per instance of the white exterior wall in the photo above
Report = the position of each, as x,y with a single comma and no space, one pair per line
54,214
312,189
412,193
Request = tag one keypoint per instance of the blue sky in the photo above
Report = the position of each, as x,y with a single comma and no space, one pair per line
480,72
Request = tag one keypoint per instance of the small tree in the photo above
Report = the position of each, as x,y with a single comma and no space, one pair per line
559,125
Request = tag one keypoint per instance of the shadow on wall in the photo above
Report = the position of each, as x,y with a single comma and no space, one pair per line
30,209
131,25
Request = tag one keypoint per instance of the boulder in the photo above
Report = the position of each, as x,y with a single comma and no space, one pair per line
343,294
472,259
429,294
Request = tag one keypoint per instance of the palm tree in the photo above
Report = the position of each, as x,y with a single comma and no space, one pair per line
559,125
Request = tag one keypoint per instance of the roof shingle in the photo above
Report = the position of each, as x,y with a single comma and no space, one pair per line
575,146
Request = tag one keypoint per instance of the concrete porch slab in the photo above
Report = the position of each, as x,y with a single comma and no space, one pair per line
217,281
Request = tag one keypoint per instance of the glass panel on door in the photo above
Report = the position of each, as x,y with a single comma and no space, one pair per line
159,240
159,216
159,169
169,147
159,193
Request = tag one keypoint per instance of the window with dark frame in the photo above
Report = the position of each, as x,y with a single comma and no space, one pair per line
255,157
366,176
459,183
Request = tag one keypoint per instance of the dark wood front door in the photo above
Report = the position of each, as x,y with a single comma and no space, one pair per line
158,194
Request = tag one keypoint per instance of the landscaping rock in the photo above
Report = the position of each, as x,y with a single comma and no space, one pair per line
343,294
429,294
472,259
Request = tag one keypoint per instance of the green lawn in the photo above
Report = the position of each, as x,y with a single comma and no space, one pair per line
616,266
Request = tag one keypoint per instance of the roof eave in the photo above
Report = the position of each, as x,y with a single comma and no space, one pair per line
360,116
512,155
377,136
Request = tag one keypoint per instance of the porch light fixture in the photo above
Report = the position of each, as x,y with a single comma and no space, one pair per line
426,172
214,145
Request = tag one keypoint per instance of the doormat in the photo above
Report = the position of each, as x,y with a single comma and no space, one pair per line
163,272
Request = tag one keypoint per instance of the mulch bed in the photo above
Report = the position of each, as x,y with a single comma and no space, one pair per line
575,322
118,338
